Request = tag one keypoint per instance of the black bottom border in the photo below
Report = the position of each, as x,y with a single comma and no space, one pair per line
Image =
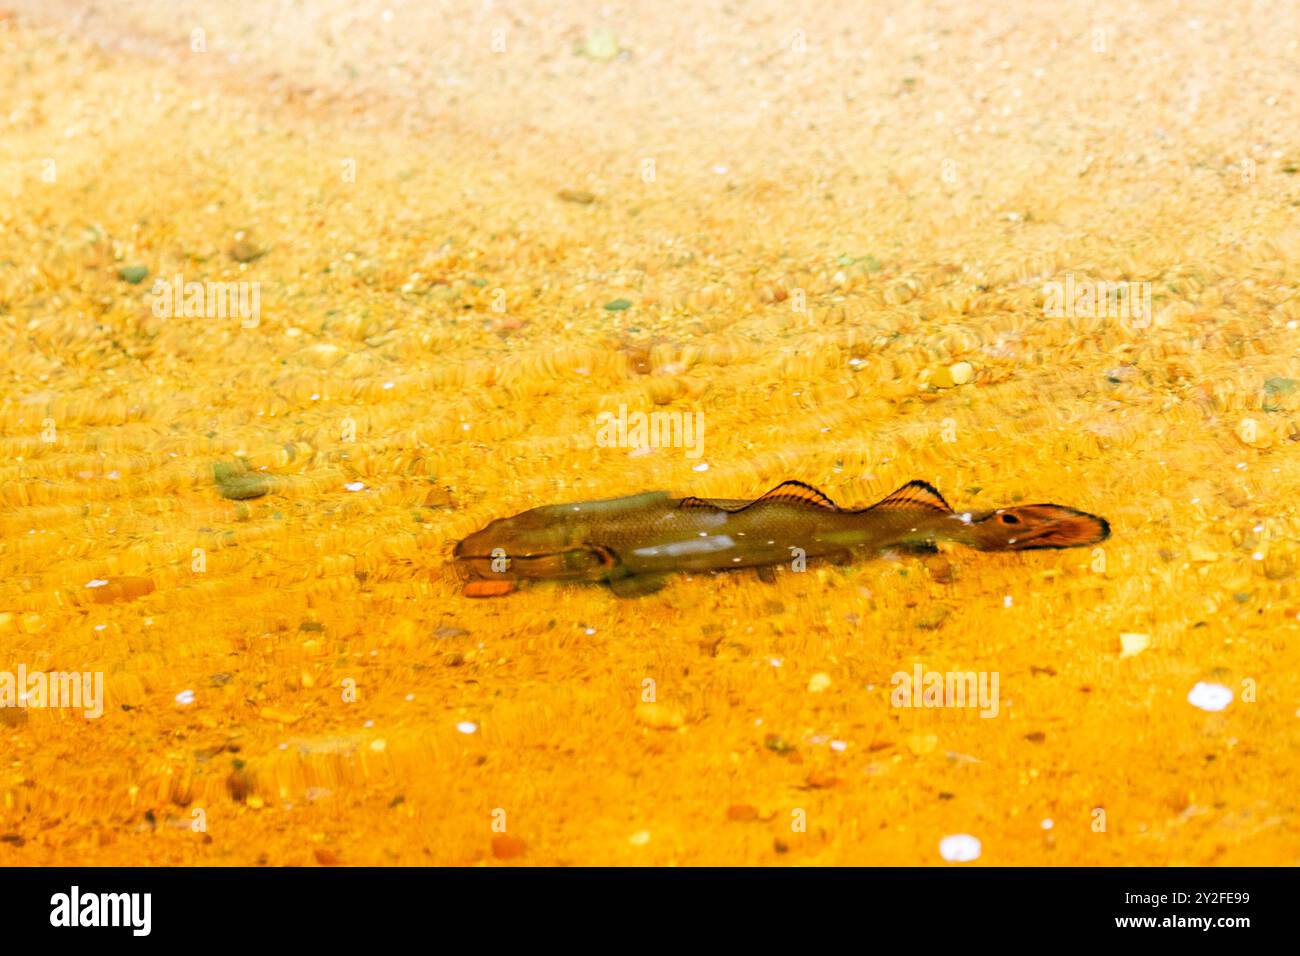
537,904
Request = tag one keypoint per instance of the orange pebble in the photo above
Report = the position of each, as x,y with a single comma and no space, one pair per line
482,589
122,589
820,781
507,847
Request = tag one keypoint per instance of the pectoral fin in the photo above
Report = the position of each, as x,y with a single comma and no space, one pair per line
917,547
637,585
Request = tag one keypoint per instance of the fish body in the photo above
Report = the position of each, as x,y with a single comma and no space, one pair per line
634,542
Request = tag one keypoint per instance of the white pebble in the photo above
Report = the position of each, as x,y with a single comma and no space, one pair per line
1211,697
355,485
467,726
959,848
1133,644
185,697
962,373
819,682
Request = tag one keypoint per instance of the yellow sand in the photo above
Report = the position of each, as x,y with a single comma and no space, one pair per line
433,334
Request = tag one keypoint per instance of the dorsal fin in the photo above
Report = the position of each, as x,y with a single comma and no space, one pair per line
914,496
692,502
799,493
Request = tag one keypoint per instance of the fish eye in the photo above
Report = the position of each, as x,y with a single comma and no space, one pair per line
1008,519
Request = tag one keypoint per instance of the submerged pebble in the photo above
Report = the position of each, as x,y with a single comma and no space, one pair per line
959,848
818,683
1210,697
237,483
507,847
489,588
124,588
1133,644
245,248
660,716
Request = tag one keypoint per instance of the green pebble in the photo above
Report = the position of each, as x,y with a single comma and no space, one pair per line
238,485
602,44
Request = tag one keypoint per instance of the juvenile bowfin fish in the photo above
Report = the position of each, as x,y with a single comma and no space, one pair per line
633,543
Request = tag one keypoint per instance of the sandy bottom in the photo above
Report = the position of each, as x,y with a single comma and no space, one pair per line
463,236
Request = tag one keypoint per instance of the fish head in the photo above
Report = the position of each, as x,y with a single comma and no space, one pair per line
530,545
1027,527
